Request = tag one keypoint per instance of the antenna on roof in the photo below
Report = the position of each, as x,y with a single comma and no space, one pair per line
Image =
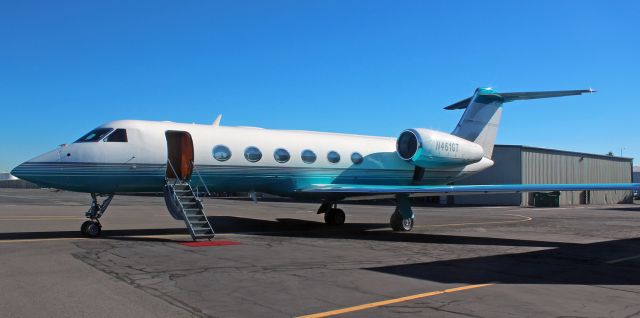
216,122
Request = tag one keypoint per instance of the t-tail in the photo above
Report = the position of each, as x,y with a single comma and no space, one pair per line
483,110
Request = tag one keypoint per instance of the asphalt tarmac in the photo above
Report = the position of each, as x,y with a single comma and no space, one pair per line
285,262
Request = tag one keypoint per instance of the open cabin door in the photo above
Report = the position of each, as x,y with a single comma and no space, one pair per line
179,154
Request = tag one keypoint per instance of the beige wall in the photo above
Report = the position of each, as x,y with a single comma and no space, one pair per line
506,170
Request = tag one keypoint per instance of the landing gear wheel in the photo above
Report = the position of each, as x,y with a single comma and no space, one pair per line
334,217
400,224
91,228
83,227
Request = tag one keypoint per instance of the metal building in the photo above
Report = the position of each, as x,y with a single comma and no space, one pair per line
523,164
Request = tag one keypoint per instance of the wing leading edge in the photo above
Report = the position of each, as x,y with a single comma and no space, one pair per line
359,189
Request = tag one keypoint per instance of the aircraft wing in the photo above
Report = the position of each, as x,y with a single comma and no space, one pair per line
359,189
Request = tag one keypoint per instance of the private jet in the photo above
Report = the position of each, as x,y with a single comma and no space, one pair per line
137,157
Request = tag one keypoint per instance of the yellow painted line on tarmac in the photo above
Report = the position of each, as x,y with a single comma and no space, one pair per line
41,218
524,219
98,238
43,240
393,301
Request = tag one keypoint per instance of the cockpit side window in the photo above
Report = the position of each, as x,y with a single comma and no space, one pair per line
95,135
119,135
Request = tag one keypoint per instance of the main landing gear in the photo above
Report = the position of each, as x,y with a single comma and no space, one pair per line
402,218
92,227
332,215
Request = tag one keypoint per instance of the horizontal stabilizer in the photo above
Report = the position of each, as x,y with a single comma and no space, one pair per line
508,97
459,105
356,189
535,95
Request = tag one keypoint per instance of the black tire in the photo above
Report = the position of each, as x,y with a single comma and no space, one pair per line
83,227
399,224
93,230
334,217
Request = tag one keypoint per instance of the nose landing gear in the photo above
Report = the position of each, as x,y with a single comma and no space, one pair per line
92,227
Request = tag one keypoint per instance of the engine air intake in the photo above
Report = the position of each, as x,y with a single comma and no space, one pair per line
427,148
407,144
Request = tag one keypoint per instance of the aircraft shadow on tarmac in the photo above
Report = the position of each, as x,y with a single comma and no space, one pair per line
560,263
358,231
578,264
286,227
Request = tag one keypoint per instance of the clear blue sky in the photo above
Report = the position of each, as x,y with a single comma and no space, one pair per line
366,67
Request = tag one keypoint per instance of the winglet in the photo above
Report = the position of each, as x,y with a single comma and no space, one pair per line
216,122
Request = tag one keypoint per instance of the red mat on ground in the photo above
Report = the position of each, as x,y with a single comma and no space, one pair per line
209,243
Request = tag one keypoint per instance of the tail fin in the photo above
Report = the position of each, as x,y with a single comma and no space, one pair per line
483,110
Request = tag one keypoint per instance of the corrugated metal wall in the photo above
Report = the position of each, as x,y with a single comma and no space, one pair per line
552,166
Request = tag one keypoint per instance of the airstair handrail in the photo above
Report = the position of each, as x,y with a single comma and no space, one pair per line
193,166
174,172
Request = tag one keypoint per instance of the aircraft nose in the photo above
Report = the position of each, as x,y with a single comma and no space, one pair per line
38,169
17,171
23,171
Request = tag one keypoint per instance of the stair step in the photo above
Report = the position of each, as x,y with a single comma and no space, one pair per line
202,230
194,217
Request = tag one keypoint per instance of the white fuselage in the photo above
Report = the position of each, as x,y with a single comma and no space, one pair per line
140,164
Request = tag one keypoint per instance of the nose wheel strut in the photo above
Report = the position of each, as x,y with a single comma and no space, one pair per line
92,227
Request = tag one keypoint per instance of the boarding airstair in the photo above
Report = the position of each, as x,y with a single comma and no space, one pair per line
183,203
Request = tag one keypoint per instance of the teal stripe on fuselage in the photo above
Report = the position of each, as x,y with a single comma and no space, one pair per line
122,178
92,177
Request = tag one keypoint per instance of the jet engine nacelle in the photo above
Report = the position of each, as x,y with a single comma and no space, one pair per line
428,148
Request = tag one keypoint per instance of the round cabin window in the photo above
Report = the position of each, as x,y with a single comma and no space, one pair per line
308,156
281,155
356,158
221,153
333,157
252,154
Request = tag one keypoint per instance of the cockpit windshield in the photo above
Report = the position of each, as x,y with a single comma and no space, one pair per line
95,135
